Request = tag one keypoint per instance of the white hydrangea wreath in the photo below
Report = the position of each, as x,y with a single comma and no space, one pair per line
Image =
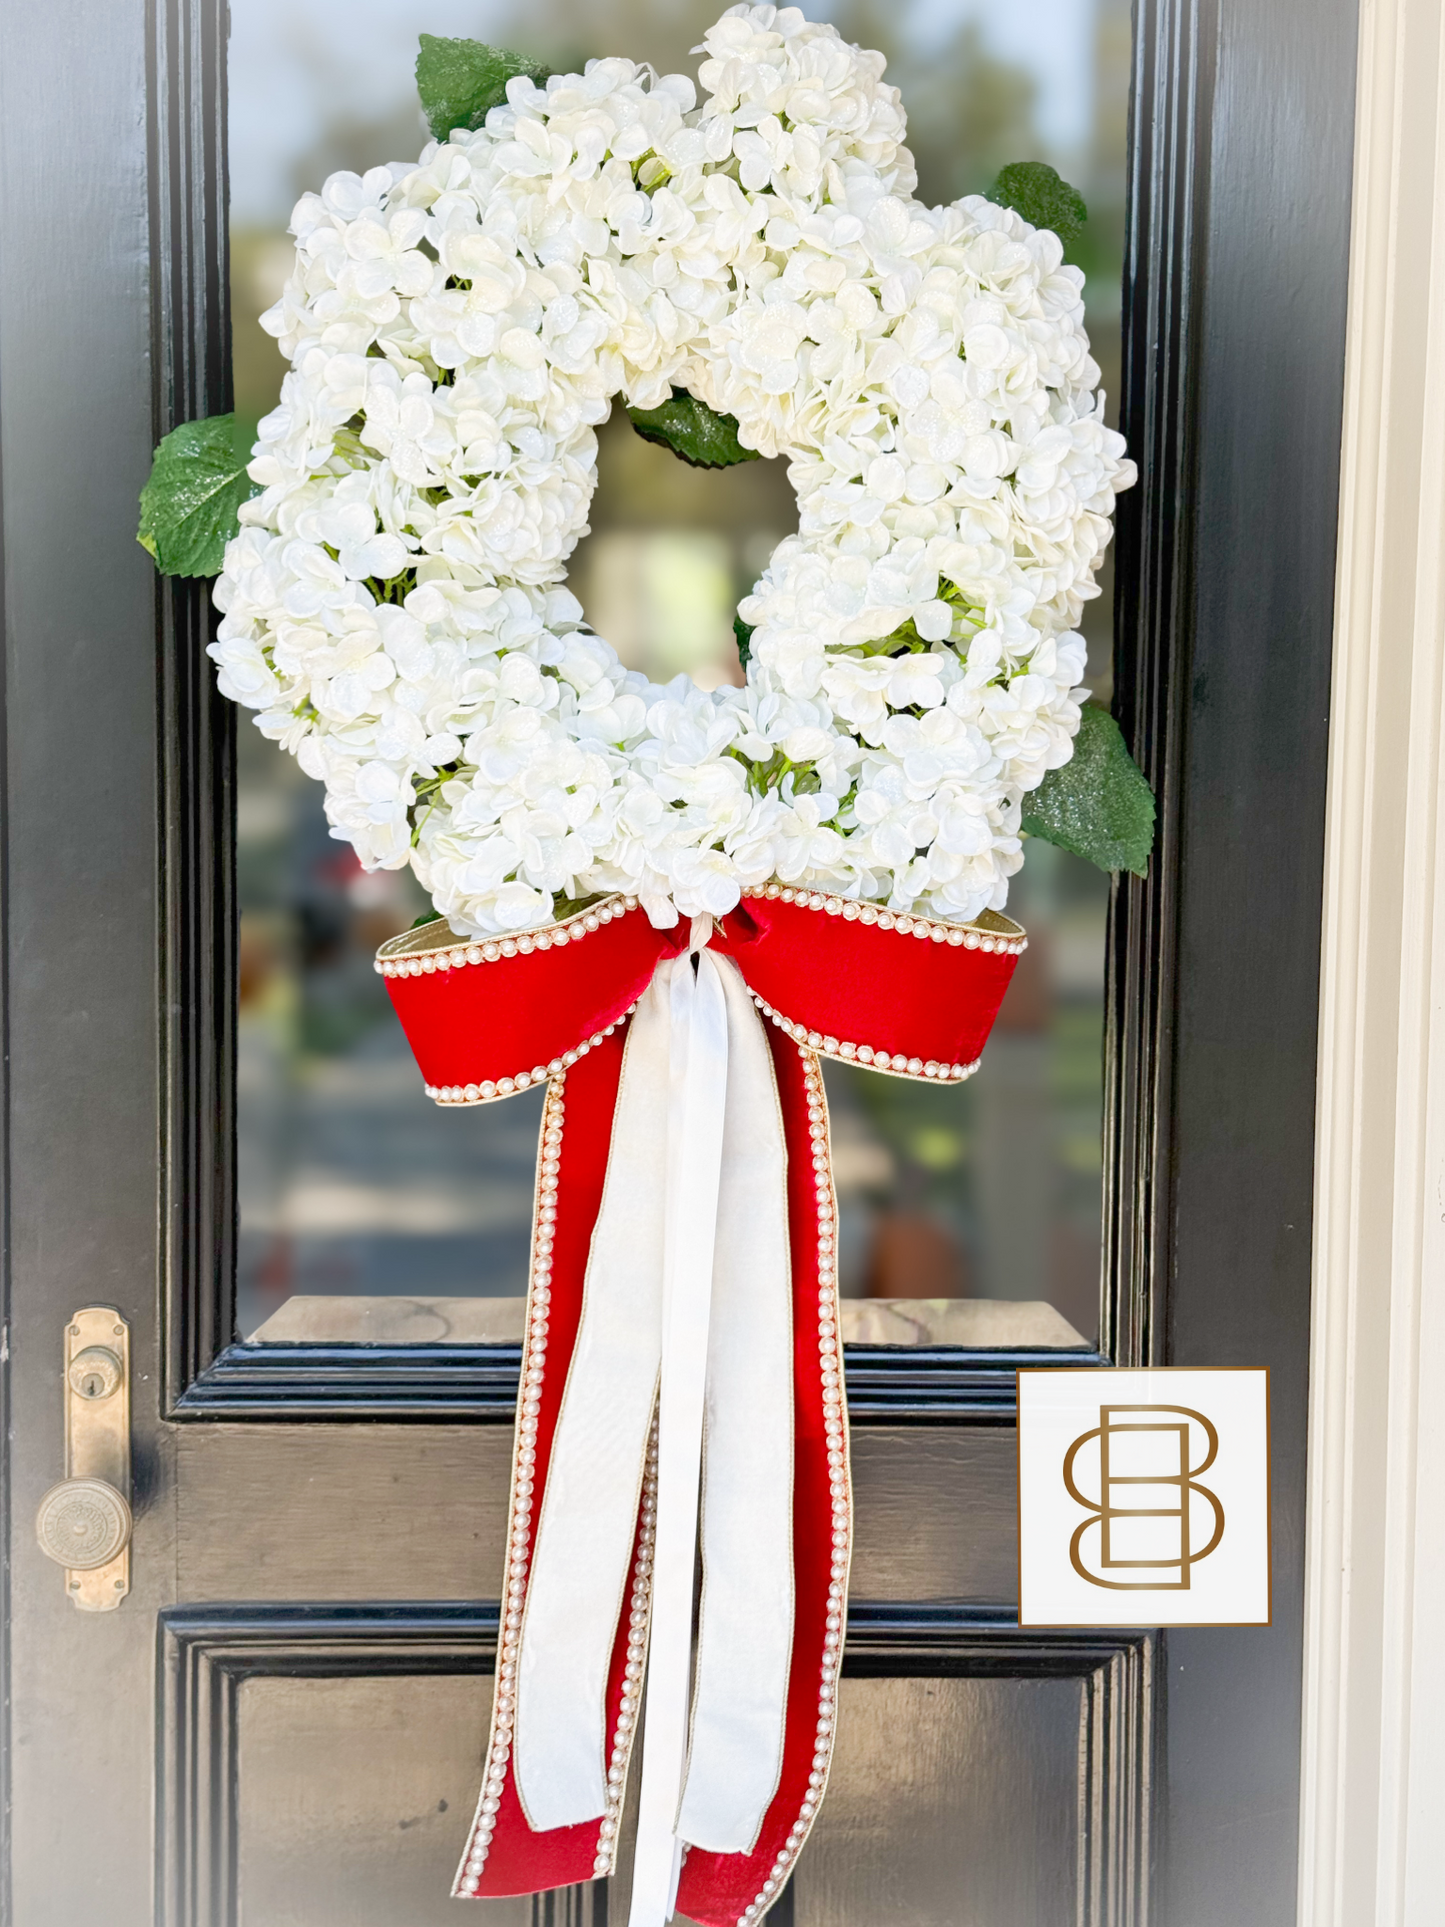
395,603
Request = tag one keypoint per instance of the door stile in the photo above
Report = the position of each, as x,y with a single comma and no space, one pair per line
82,1115
1169,136
1259,180
191,347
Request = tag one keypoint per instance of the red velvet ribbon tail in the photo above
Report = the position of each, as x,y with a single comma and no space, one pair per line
504,1855
720,1890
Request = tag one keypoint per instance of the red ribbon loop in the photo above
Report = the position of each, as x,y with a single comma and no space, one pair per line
867,986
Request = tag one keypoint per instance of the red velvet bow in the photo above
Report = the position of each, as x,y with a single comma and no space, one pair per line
834,978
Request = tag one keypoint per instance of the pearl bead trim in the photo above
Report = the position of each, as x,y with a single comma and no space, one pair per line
490,949
519,1515
897,1065
491,1089
639,1620
1010,942
835,1423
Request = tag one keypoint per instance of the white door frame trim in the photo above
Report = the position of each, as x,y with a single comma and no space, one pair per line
1373,1792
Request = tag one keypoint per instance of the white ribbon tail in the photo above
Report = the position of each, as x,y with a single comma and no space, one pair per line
688,1290
745,1639
696,1102
584,1539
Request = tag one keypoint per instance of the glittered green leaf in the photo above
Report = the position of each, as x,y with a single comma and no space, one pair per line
1099,804
1034,189
744,633
461,81
690,429
188,508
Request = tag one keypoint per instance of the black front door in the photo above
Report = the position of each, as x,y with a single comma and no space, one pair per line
282,1720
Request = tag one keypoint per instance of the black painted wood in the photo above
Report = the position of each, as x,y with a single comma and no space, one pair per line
197,940
1235,313
1154,562
1119,1741
206,1654
82,1119
976,1640
886,1384
119,972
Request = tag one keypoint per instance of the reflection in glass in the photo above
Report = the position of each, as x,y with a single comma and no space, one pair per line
353,1186
351,1181
991,1190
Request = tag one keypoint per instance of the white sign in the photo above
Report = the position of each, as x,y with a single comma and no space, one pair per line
1143,1498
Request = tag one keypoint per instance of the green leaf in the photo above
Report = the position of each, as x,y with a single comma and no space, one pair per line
690,429
461,81
427,916
1099,804
564,907
1034,189
188,508
744,633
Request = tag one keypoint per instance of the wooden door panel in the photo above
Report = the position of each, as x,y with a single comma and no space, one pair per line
317,1767
316,1840
937,1513
370,1510
930,1778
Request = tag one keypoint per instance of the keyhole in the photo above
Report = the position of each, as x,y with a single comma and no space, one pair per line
95,1373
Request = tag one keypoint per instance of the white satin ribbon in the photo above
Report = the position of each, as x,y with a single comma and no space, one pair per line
688,1281
697,1095
745,1636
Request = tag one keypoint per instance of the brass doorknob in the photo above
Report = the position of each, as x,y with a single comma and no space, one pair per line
83,1524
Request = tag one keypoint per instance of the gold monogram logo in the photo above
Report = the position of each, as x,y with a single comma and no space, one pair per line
1146,1451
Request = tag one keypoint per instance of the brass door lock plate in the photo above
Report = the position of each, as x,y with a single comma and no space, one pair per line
84,1523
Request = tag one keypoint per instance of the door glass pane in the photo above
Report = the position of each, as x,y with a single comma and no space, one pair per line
971,1215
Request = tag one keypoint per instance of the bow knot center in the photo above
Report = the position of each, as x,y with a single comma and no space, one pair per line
700,935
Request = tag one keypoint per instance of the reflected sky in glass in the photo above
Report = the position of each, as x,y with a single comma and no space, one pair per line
304,70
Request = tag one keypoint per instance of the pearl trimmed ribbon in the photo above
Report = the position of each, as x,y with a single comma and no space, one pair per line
686,1301
682,1368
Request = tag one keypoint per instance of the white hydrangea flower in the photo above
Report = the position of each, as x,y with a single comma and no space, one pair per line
394,606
